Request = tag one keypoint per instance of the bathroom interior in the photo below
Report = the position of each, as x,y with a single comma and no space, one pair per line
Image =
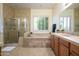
39,29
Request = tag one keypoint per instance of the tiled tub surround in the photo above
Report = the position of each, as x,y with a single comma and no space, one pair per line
37,41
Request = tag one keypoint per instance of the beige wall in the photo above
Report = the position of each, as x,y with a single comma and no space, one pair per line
41,12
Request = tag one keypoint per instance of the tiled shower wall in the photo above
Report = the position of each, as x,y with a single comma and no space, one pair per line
10,35
10,12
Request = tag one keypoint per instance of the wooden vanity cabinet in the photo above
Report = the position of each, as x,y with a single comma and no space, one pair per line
63,47
56,45
74,50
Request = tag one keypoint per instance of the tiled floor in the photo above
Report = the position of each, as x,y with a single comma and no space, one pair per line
31,52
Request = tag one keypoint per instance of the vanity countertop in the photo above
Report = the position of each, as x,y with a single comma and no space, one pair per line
69,37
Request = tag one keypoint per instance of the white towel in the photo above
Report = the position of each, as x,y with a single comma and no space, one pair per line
8,49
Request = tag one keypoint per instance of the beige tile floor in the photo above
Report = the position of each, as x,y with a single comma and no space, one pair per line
32,52
20,51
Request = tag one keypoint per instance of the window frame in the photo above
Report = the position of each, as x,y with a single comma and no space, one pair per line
44,20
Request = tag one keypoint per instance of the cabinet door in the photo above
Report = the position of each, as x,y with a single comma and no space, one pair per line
63,50
74,50
52,42
72,53
56,47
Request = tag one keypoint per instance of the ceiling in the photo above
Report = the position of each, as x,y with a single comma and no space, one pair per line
33,5
74,5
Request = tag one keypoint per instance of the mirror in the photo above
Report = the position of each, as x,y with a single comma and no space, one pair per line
69,20
65,20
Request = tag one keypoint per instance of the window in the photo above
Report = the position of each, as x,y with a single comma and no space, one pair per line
25,24
22,24
18,24
65,23
40,23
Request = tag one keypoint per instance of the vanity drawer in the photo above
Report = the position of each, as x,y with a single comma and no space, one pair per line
64,42
74,49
